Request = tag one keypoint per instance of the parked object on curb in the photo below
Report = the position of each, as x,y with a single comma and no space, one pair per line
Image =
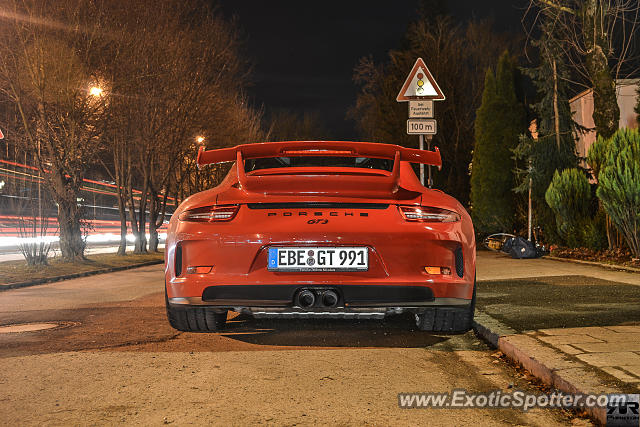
515,246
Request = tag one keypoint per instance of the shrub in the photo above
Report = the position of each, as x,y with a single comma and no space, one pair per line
569,196
619,185
597,155
593,233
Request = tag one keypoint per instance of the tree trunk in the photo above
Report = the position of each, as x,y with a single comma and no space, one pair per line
141,246
122,248
137,220
135,229
138,225
153,217
556,112
141,238
611,230
153,238
71,242
606,113
65,194
120,165
160,215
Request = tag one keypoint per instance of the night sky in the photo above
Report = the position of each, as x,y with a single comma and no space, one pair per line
303,53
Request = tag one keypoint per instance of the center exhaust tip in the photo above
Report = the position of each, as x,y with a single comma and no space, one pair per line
329,298
306,298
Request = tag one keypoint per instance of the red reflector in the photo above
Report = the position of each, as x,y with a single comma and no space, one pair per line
210,213
428,214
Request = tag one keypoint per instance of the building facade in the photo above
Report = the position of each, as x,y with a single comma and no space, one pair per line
582,109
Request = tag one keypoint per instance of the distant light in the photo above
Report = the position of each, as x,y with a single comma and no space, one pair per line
200,139
95,91
8,241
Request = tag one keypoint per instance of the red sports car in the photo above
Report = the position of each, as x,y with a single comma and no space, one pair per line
320,229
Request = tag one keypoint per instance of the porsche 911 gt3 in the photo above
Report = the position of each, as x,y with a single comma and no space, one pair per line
320,229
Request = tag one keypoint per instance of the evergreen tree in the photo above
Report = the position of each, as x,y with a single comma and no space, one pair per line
569,196
619,184
499,121
554,149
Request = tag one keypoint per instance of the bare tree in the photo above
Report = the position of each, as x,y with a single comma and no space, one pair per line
176,73
599,41
45,57
236,122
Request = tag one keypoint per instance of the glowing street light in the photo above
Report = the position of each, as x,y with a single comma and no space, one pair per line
95,91
200,139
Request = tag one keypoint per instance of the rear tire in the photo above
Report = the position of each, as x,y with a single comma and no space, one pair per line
194,319
448,319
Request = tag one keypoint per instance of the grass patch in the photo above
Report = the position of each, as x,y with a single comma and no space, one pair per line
19,271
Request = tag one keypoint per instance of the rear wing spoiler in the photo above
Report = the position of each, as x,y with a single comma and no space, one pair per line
319,148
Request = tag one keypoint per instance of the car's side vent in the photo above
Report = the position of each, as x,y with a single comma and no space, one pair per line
178,259
459,262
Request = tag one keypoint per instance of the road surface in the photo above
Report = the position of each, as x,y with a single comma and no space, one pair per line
115,359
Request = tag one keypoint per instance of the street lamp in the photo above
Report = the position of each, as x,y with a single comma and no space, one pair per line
200,139
95,91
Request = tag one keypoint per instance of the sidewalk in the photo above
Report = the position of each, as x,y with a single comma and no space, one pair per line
495,266
576,327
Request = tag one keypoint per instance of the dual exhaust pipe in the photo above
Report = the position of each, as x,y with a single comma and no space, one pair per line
326,298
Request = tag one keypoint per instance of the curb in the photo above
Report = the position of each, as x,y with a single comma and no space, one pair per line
535,357
17,285
595,264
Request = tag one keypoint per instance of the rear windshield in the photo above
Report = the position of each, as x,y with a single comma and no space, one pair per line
319,161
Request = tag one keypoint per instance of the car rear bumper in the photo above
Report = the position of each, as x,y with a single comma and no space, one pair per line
185,301
275,298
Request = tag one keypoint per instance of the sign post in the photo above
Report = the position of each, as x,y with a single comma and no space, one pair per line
420,89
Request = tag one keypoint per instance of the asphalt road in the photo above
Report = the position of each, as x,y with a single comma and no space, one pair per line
115,359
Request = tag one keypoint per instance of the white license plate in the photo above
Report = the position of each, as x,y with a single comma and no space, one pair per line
319,259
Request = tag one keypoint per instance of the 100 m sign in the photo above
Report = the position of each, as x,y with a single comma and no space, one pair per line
421,127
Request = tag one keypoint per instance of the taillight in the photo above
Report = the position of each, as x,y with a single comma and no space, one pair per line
428,214
210,213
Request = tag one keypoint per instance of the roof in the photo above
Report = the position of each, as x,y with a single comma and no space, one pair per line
619,82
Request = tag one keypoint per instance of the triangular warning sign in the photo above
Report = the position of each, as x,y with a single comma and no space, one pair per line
420,84
1,134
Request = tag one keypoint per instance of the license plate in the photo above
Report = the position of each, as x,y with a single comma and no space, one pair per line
319,259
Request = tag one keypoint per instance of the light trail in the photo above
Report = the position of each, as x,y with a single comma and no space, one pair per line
36,178
100,230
